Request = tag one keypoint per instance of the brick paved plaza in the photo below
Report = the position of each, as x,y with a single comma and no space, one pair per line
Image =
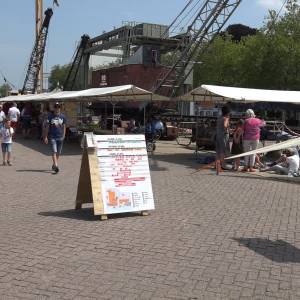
211,237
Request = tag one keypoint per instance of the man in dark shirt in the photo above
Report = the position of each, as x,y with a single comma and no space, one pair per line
55,132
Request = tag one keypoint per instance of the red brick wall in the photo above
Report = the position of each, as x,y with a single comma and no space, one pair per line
142,76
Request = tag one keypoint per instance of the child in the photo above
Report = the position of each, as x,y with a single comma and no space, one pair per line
6,133
237,144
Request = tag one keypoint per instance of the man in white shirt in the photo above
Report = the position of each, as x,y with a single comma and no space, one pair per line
2,116
14,115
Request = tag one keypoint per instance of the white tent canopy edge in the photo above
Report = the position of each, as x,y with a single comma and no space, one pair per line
115,93
252,95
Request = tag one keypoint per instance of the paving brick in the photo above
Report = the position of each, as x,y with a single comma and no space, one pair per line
233,236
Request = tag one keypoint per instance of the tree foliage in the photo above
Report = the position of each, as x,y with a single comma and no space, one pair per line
58,76
270,59
4,89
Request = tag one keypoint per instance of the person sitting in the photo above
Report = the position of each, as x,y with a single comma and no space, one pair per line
132,126
287,164
158,126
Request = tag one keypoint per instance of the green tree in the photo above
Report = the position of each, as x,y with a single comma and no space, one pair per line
220,64
58,76
4,89
270,59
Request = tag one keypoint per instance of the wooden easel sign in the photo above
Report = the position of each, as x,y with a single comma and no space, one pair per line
115,175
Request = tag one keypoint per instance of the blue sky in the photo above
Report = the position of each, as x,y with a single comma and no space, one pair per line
76,17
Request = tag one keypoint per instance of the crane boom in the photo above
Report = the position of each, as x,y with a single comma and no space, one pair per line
208,21
71,77
37,55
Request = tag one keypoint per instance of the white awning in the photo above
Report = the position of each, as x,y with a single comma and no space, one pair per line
252,95
113,94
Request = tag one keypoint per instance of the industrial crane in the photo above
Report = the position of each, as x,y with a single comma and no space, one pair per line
203,21
34,77
36,59
79,53
195,27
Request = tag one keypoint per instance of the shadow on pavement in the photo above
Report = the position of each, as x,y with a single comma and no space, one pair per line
185,159
252,176
277,251
154,165
35,171
85,214
69,148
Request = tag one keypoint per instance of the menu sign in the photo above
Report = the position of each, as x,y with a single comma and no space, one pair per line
124,172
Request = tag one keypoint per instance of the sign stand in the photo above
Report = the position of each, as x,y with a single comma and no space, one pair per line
90,185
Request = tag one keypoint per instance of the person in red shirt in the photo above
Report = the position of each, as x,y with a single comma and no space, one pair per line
251,138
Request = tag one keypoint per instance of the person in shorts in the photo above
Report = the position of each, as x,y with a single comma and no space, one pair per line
6,142
14,115
55,132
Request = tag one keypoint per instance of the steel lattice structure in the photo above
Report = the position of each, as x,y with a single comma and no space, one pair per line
36,59
208,22
71,77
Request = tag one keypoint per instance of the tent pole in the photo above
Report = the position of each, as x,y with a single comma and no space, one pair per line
113,116
196,130
145,117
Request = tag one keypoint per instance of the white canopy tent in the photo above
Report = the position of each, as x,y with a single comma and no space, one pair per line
244,95
225,93
200,94
217,93
116,94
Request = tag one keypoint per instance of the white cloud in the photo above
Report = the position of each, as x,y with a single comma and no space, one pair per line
270,4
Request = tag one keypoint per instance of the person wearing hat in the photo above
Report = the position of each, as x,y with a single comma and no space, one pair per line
251,128
55,132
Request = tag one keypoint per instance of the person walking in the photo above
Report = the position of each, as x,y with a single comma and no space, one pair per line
252,126
2,116
55,132
26,118
14,116
6,144
222,139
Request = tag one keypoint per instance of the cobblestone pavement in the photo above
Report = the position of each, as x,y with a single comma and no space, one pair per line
210,237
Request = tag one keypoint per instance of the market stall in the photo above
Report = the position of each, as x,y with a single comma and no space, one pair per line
211,94
113,95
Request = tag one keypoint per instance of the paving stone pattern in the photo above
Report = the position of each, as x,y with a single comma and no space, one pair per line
211,237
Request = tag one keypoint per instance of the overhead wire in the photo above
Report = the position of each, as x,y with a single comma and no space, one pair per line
177,17
182,20
279,12
277,15
193,16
